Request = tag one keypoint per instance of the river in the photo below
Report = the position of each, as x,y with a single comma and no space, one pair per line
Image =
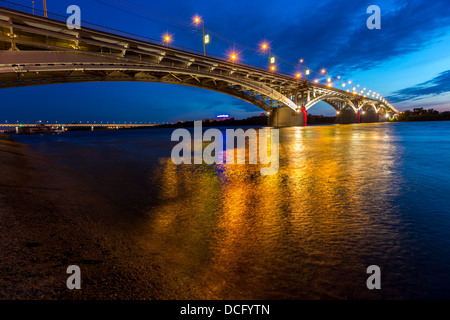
345,197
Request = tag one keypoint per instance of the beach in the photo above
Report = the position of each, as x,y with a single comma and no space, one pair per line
49,220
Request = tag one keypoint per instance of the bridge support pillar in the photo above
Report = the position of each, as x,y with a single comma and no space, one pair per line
383,116
369,116
348,116
92,128
17,129
286,117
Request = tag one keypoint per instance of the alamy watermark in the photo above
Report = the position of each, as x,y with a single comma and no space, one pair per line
374,281
374,21
235,140
74,281
74,21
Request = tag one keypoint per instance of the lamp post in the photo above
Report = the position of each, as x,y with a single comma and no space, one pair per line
198,20
323,71
264,47
45,8
306,70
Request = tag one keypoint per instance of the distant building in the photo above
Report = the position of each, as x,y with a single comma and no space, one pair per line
220,117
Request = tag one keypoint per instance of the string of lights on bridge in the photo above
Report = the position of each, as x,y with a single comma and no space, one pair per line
264,47
303,72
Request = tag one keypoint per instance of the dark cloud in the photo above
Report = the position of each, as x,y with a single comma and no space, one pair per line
337,35
438,85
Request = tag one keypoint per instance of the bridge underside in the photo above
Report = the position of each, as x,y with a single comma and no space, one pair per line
38,51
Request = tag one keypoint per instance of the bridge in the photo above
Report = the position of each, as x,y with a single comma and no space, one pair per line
37,50
90,126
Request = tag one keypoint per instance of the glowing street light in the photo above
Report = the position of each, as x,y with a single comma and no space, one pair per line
167,38
197,20
264,47
233,57
298,75
301,61
272,68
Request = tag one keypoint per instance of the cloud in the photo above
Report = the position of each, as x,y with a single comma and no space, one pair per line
436,86
339,37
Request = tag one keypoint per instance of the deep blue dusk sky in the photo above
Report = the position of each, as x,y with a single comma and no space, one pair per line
407,61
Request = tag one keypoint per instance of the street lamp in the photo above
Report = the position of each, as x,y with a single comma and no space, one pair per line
167,38
197,21
306,70
233,57
264,47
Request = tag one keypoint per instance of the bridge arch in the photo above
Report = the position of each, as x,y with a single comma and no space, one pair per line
371,104
72,67
329,99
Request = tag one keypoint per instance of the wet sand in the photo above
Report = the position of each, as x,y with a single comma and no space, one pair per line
50,219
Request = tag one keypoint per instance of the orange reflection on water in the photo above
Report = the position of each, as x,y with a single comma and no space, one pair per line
228,232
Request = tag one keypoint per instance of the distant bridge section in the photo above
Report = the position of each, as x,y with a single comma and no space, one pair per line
64,126
37,51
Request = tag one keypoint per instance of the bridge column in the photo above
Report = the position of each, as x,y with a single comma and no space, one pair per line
384,115
17,129
368,116
92,128
347,116
286,117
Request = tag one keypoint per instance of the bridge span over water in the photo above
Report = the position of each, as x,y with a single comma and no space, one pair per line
36,50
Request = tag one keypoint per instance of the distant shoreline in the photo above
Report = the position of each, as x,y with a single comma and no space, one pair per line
405,116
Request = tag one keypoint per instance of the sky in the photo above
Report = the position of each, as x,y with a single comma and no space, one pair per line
407,61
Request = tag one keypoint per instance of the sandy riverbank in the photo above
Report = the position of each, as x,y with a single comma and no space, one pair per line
50,220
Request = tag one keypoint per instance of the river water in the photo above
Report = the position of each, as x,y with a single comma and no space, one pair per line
345,197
